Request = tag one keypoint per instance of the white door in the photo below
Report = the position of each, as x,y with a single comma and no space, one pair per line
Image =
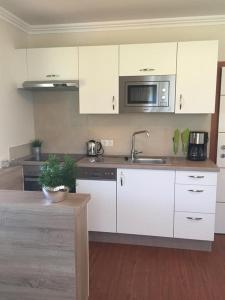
221,150
196,77
98,80
222,114
102,206
52,63
145,202
223,82
148,59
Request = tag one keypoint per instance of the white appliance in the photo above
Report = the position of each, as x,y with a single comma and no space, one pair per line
220,205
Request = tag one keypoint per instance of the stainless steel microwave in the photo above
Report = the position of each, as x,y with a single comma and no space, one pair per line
147,93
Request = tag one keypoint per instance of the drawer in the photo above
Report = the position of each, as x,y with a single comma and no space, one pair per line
201,178
195,198
194,226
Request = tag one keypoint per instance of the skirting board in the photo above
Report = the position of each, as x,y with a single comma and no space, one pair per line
131,239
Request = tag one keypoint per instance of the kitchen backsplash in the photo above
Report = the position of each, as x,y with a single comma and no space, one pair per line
61,127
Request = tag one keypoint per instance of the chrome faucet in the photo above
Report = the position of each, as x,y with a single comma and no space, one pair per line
133,151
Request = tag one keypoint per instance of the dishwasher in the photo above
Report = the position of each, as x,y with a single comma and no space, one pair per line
100,183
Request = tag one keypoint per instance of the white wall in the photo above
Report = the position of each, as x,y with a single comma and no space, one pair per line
16,108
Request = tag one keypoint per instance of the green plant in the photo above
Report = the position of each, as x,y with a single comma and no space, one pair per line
36,143
54,173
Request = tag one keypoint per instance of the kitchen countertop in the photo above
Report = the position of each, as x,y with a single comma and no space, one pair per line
173,163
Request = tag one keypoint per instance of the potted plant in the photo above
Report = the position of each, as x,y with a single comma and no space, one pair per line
36,148
57,179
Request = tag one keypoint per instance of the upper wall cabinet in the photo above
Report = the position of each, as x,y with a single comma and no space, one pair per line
98,79
21,67
52,63
196,77
148,59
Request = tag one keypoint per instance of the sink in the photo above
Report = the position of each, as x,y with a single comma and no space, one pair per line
149,160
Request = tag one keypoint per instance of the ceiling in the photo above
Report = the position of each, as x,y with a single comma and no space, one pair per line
44,12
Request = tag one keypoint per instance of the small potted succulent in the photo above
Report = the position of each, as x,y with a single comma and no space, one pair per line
57,178
36,148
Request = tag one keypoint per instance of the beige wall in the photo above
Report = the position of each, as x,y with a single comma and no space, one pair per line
16,112
58,123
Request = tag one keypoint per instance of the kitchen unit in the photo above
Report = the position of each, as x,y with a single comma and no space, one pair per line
46,64
193,63
98,80
220,206
196,77
175,200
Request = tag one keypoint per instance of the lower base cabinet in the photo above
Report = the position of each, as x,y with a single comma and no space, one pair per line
145,202
195,226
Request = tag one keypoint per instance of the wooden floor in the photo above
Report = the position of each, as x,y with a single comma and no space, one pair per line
124,272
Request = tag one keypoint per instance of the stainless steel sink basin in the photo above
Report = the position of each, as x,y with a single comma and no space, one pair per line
149,160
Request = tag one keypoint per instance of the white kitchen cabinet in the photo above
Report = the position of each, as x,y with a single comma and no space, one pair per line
102,206
221,187
20,66
145,202
98,80
196,77
148,59
221,150
220,216
194,226
52,63
222,114
195,205
222,91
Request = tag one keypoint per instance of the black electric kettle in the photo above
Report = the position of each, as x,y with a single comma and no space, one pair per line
94,148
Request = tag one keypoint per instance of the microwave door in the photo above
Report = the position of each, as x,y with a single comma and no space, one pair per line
142,94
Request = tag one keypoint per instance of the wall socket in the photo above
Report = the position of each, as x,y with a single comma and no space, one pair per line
107,143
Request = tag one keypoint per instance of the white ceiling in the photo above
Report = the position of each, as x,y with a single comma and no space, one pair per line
44,12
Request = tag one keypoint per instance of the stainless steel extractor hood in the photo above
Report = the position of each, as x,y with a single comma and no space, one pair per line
72,85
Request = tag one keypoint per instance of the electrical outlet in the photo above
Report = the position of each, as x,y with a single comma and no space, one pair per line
107,143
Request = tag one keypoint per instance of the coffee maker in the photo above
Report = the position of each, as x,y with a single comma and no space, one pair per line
197,148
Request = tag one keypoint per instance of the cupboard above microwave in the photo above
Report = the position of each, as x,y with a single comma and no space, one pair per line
147,93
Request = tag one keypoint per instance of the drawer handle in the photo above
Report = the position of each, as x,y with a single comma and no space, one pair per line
52,75
196,177
196,191
146,70
194,219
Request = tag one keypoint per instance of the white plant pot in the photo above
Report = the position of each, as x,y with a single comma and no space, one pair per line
55,195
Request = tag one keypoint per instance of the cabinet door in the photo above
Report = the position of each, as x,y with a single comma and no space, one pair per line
221,187
145,202
148,59
222,114
52,63
196,77
98,80
223,82
221,150
102,206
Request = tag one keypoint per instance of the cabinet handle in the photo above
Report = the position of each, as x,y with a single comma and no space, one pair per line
222,155
121,179
196,177
146,70
196,191
113,102
52,75
223,147
181,97
194,219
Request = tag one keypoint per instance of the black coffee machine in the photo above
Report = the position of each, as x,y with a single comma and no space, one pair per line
197,148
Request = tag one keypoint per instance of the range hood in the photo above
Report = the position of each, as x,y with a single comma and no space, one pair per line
72,85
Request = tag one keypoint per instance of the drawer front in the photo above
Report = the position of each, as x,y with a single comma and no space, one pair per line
201,178
195,198
194,226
